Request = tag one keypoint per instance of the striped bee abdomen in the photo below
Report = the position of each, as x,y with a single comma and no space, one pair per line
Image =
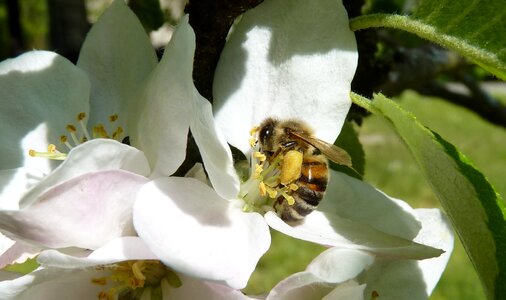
312,184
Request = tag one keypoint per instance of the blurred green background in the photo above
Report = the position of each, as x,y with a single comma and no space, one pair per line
397,175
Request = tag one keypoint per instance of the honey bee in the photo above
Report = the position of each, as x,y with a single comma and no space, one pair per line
304,163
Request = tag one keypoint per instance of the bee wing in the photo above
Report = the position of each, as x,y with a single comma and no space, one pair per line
332,152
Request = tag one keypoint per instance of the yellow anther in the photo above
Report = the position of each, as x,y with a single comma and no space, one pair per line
262,188
254,130
252,142
117,132
272,192
288,198
99,281
32,153
259,155
113,118
293,187
51,148
374,295
100,132
71,128
258,170
137,270
63,139
81,116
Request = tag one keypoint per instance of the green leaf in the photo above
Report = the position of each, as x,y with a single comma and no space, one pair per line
475,29
348,140
474,208
23,268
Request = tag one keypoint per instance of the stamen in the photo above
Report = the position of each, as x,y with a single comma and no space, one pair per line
253,130
288,198
80,118
272,192
100,132
64,140
99,281
262,188
252,142
258,170
51,153
374,295
117,133
293,187
72,130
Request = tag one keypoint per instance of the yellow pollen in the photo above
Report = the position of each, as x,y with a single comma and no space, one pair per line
51,148
113,118
81,116
262,188
260,156
252,142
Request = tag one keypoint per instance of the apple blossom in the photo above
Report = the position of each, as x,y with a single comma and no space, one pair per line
286,60
117,90
124,268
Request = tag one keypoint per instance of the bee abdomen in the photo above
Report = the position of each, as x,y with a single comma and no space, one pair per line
311,188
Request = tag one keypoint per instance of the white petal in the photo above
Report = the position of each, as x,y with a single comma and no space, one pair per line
196,232
214,149
334,266
199,289
52,284
405,279
117,250
86,211
92,156
117,57
40,93
160,122
338,265
300,286
358,201
286,59
15,183
332,230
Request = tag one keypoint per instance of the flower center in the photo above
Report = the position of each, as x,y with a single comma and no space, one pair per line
265,186
78,135
130,279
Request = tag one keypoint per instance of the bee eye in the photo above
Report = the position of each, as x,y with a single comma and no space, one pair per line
266,132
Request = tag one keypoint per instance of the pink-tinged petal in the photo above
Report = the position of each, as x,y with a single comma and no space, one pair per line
40,93
117,57
193,288
86,211
286,59
14,183
92,156
160,121
196,232
50,284
358,201
15,251
404,279
214,149
117,250
332,230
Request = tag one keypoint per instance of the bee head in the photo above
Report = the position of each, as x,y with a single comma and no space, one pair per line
266,134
